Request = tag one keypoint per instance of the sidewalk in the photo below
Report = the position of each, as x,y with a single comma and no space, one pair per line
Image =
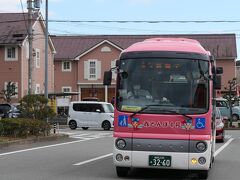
34,139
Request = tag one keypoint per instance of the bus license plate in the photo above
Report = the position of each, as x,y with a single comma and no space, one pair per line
160,161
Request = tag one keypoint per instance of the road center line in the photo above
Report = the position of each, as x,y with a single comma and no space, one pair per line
223,146
94,159
43,147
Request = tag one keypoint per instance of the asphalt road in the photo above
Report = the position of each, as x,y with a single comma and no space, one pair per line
87,155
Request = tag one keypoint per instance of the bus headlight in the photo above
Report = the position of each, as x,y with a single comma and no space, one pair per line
121,143
201,146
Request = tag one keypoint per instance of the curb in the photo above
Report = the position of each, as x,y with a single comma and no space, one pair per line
33,140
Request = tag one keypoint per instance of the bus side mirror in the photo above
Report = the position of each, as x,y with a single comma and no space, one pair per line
219,70
107,80
217,82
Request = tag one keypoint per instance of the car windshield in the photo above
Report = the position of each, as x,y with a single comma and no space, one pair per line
174,84
108,108
5,107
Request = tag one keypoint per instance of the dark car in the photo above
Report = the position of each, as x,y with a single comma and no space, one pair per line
9,111
1,114
220,132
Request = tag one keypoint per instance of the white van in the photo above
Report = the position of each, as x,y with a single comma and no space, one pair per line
90,114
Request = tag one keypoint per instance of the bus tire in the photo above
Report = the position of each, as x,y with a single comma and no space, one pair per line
122,171
203,174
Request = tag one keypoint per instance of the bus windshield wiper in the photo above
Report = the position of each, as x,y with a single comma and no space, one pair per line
164,110
175,112
145,107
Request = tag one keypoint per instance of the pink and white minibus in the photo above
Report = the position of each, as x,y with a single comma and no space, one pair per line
164,108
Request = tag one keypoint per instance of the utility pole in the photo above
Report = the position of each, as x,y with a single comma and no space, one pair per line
46,53
30,41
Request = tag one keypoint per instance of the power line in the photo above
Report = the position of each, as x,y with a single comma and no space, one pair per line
133,21
136,21
23,15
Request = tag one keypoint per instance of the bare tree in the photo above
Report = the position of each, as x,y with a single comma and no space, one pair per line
231,95
8,92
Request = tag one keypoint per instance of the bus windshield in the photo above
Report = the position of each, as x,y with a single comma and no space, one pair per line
181,85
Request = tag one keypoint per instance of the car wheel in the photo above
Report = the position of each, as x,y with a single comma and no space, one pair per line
122,171
235,117
203,174
72,124
106,125
85,128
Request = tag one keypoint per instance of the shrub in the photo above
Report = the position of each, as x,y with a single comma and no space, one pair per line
35,107
20,127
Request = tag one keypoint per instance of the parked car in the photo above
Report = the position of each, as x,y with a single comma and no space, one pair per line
219,120
224,108
91,114
1,114
9,110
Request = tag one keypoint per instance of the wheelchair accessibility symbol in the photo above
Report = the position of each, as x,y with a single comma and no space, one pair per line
200,123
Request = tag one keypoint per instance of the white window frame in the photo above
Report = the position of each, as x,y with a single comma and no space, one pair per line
11,58
92,76
106,49
16,90
70,66
37,58
67,87
87,69
70,90
37,89
114,73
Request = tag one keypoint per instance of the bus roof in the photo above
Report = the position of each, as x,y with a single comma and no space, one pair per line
168,44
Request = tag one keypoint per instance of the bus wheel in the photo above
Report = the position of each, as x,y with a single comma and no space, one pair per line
122,171
72,125
203,174
106,125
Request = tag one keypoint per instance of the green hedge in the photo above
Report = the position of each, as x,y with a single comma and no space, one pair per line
21,127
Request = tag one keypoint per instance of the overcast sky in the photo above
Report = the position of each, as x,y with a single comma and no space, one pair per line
143,10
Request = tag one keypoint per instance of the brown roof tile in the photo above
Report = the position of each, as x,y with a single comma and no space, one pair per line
69,47
13,27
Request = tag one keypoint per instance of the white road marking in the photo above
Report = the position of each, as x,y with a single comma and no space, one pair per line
228,136
223,146
90,135
91,160
43,147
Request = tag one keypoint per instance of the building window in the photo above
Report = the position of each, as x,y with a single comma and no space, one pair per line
66,89
106,49
92,69
66,66
37,89
11,53
114,73
37,58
